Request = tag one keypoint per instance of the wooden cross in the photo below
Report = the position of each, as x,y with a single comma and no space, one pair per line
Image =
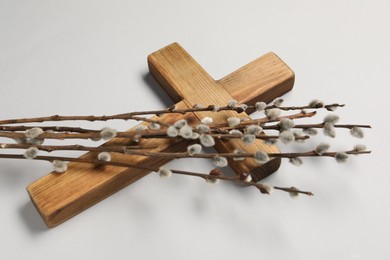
58,197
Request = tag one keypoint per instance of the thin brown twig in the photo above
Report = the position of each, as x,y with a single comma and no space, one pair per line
261,121
131,135
235,180
134,115
180,172
51,148
48,128
240,155
319,125
327,107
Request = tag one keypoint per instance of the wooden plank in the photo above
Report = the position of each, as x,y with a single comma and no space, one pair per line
181,76
273,79
58,197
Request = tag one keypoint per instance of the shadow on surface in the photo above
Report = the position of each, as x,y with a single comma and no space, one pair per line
32,219
157,89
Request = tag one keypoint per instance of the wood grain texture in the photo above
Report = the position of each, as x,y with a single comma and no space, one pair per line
183,78
58,197
263,79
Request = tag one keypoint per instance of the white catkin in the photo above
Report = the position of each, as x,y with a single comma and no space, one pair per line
273,113
270,141
20,140
107,133
341,157
186,132
286,137
329,130
220,161
310,131
359,148
232,103
248,178
198,106
238,151
253,130
235,132
59,166
216,108
206,120
194,136
267,187
322,148
35,141
296,161
286,124
298,135
180,123
212,180
357,132
136,138
33,132
278,102
194,149
244,107
293,194
104,156
164,172
172,108
172,131
332,118
202,128
140,128
233,121
248,139
260,106
315,103
31,153
206,140
261,157
154,126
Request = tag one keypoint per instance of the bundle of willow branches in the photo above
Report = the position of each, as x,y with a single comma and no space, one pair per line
273,127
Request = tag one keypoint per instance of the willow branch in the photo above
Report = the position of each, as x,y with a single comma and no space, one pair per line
134,115
179,172
235,180
125,116
56,118
51,148
263,120
240,155
220,136
319,125
129,135
327,107
48,128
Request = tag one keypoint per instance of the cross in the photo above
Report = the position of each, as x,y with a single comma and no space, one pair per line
59,197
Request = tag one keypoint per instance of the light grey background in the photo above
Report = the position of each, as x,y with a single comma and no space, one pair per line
89,57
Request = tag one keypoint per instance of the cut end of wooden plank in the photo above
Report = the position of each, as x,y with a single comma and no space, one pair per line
263,79
60,196
265,170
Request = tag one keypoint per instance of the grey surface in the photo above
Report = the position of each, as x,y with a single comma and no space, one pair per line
89,57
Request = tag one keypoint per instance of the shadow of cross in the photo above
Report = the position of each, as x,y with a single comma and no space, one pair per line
58,197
